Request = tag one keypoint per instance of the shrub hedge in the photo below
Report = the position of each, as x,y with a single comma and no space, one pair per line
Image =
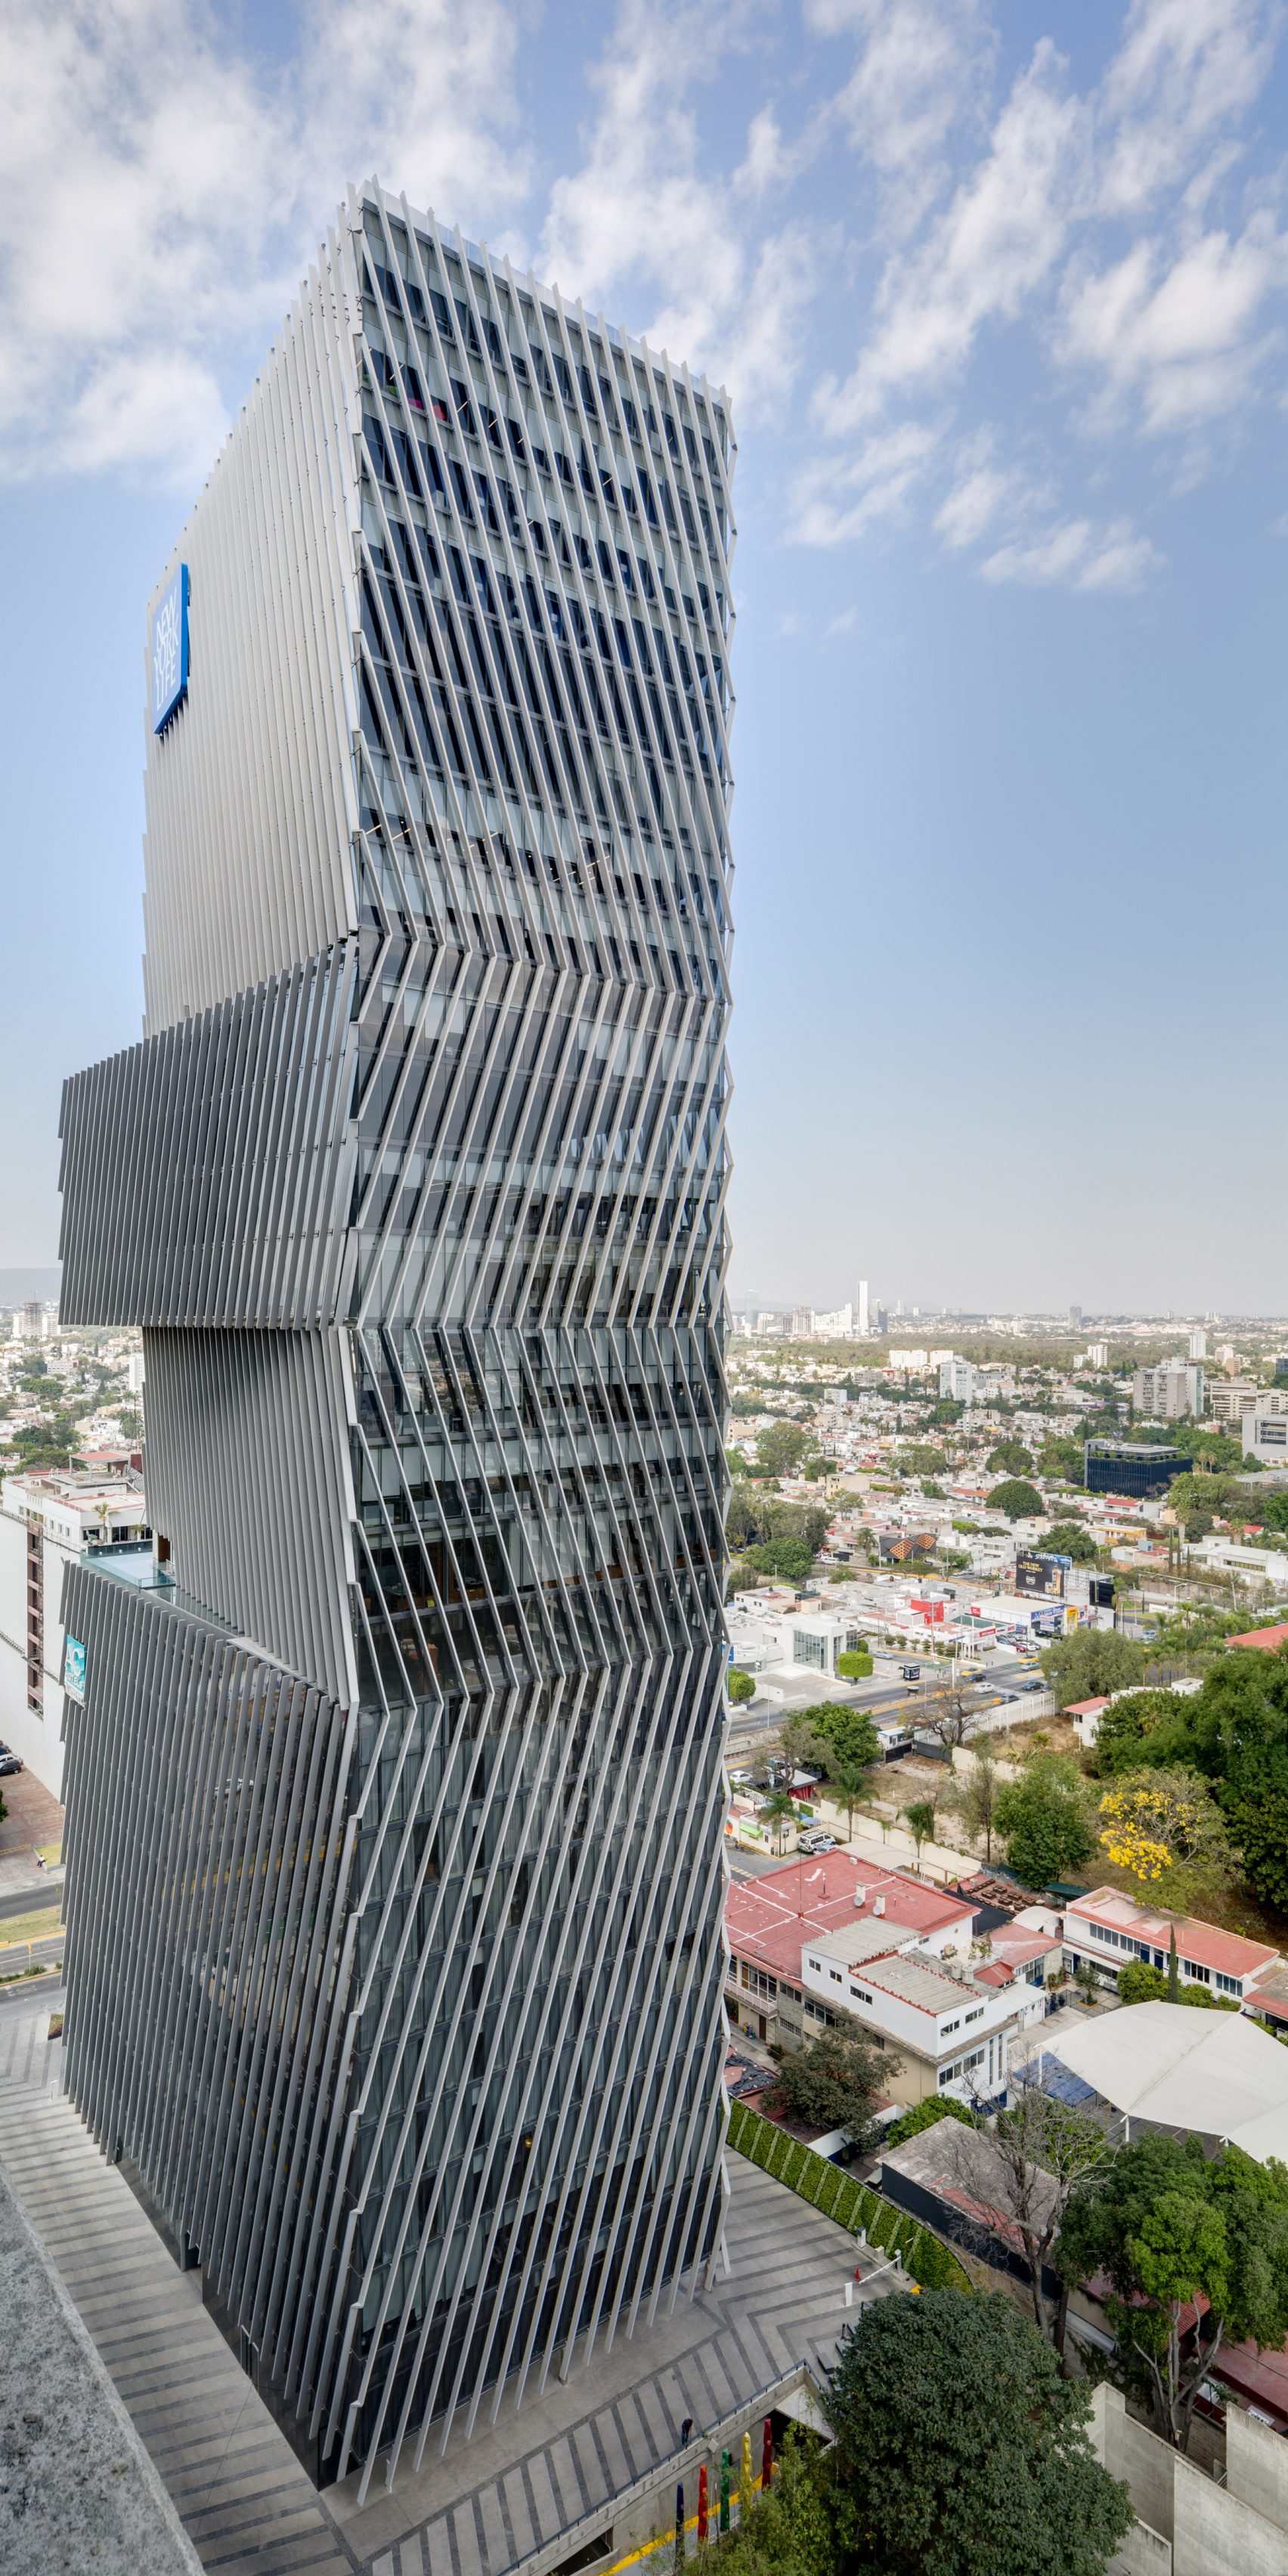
851,2203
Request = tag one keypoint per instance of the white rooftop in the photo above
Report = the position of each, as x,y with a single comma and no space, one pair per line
1211,2072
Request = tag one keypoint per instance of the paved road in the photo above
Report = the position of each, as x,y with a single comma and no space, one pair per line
33,1900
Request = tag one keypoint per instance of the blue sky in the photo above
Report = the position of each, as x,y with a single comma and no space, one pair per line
1000,295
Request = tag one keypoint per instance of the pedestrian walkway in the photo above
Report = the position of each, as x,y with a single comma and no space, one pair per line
476,2508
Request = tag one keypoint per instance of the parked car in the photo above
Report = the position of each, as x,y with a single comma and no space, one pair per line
814,1843
9,1761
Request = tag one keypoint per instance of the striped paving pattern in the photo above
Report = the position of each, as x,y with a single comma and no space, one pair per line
607,2425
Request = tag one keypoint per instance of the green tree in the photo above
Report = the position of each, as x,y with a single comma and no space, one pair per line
960,2449
1091,1663
741,1686
787,2532
1009,1458
778,1809
1069,1538
847,1735
1044,1821
832,2082
780,1449
801,1742
852,1786
1143,1726
920,1821
1067,1458
923,2115
1235,1733
1017,1498
854,1665
1178,2232
1139,1983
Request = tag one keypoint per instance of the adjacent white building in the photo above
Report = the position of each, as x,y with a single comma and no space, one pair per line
48,1518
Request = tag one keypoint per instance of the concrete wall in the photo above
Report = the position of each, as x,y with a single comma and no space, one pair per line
1187,2523
1217,2535
1256,2467
1129,2451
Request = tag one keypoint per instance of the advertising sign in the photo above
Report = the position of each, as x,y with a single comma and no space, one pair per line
74,1668
1041,1574
170,650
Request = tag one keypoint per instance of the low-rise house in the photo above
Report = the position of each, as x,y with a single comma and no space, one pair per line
813,1944
1105,1929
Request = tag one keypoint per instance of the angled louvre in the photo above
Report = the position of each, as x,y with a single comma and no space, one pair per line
417,1186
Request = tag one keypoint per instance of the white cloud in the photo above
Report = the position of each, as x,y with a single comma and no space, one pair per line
1185,69
649,212
1077,556
974,505
1177,337
917,77
983,259
164,191
844,624
839,498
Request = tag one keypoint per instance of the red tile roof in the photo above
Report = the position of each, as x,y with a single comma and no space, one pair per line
1269,1639
1228,1952
1085,1707
769,1919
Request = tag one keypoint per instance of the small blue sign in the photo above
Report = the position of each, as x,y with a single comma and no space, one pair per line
74,1668
170,650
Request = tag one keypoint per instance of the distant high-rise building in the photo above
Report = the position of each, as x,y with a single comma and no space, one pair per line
861,1310
1198,1343
1075,1317
395,1801
1169,1392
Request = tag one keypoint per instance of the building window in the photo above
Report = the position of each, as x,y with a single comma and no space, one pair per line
1227,1985
1200,1975
819,2012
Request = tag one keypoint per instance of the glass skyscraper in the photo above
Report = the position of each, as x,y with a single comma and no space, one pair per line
395,1791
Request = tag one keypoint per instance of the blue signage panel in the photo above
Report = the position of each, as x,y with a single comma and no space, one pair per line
170,650
74,1668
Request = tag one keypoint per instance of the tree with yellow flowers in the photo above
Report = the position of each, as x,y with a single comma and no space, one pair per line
1166,1831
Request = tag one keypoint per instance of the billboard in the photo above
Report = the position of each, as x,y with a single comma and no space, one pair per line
74,1668
170,650
1041,1574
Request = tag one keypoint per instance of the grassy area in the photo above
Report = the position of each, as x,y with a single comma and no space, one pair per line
50,1853
29,1927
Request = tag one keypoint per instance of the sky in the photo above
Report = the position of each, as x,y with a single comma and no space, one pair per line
999,289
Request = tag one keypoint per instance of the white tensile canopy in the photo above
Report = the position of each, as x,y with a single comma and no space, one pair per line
1211,2072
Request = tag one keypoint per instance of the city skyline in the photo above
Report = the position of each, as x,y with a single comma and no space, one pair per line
1010,569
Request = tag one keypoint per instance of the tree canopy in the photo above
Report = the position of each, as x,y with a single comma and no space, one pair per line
960,2449
1009,1458
832,2082
1174,2229
1166,1830
741,1686
1017,1498
1069,1538
1091,1663
1043,1817
1233,1733
780,1449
